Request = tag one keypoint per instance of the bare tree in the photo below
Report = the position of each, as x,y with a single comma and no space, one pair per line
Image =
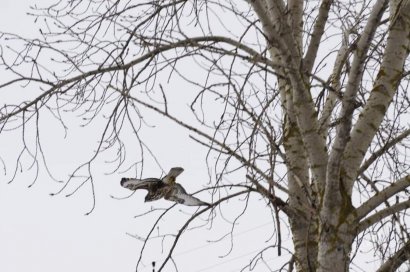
304,102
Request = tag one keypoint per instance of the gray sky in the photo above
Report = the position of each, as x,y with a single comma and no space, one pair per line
44,233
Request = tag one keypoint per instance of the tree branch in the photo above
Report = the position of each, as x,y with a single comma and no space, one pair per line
396,260
193,42
333,190
317,34
383,195
328,108
380,215
182,229
276,201
375,155
206,136
384,88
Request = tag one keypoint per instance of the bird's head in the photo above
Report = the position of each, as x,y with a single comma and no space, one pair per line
122,182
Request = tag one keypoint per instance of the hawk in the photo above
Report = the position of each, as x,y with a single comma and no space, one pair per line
165,188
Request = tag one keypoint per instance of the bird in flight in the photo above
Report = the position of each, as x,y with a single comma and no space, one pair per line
165,188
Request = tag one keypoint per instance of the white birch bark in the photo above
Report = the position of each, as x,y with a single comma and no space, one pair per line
334,230
304,225
384,88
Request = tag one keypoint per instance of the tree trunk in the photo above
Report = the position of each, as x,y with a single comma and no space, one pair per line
335,245
337,230
304,231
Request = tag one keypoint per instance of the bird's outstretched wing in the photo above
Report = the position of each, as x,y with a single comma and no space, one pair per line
179,195
135,184
171,176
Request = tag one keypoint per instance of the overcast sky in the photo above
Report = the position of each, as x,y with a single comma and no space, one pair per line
43,233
